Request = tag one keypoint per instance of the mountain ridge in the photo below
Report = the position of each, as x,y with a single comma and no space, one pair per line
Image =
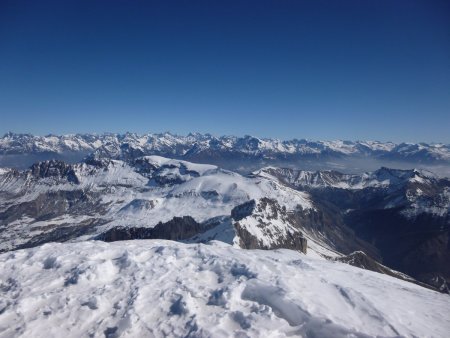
196,145
114,199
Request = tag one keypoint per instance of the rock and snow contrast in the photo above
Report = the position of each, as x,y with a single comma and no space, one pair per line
155,288
55,201
230,152
405,214
159,246
157,197
382,178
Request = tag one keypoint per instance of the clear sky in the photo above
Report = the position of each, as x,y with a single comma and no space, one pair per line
360,69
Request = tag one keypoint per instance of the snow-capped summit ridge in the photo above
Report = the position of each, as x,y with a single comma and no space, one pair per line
196,144
383,177
160,161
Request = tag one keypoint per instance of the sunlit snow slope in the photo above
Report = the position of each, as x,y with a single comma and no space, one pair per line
156,288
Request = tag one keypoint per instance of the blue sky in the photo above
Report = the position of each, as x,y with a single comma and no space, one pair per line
306,69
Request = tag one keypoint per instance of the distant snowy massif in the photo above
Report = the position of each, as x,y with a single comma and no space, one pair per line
240,154
128,235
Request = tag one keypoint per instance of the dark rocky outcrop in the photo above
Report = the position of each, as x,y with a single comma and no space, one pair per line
54,168
327,220
243,210
158,173
61,233
178,228
294,241
53,204
264,212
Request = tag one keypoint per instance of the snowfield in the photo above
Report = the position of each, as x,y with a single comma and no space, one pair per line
156,288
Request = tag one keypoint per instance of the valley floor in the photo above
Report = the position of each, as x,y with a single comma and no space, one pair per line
156,288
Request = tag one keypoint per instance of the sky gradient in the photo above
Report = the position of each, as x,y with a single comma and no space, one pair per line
287,69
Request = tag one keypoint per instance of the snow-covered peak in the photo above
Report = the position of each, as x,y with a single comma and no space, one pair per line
383,177
159,161
161,288
123,146
4,171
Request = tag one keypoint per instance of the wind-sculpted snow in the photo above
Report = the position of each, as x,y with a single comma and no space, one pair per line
157,288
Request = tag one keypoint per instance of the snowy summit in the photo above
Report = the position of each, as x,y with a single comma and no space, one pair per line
157,288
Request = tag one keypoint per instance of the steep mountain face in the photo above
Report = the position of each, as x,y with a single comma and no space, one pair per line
179,228
230,152
404,214
265,224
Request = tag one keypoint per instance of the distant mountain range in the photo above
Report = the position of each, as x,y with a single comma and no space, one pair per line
230,152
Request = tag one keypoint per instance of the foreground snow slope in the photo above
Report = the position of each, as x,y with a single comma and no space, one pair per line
163,288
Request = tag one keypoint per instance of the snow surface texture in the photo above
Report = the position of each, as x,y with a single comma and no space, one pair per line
156,288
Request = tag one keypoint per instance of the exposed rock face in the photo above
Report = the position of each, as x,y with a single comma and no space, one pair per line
179,228
264,225
361,260
138,204
53,204
243,210
165,173
292,241
325,219
325,223
60,233
437,282
57,216
54,169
